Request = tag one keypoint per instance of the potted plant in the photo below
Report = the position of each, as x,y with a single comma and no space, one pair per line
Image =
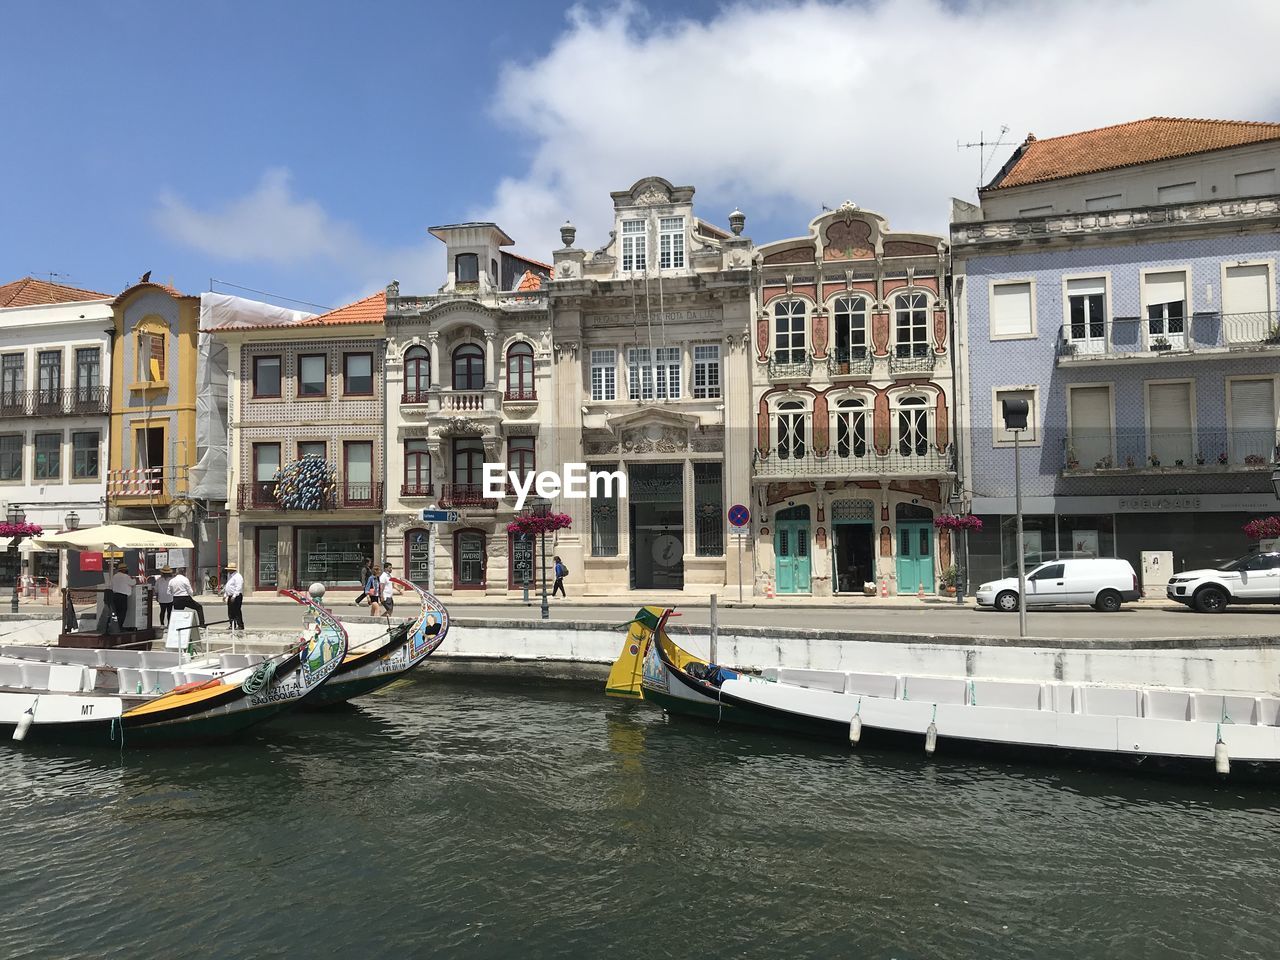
1199,459
1222,459
1255,460
1273,335
1073,462
1161,343
1128,462
1103,464
964,521
1154,460
947,580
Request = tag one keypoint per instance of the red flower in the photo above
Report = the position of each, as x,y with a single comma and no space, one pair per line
530,524
1268,528
965,521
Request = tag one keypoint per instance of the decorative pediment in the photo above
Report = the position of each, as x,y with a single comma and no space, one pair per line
459,427
651,416
651,191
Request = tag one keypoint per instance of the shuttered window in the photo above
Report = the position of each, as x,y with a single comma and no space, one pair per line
1253,421
1011,310
1169,414
1090,441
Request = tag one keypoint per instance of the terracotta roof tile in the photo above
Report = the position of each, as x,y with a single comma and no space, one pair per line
1125,145
152,285
369,310
530,281
30,292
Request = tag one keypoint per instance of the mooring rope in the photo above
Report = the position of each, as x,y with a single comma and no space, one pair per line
261,677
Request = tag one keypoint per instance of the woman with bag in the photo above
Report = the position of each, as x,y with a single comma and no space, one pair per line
561,571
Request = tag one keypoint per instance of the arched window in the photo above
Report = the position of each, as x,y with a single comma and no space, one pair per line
913,426
417,372
520,371
789,332
850,315
468,463
466,268
851,427
521,458
417,468
911,315
468,367
791,430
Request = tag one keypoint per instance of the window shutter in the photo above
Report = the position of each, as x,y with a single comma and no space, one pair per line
1010,309
1166,287
1247,289
1253,406
1170,407
1088,285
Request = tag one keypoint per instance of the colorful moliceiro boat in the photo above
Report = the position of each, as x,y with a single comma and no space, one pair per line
47,703
387,658
1180,730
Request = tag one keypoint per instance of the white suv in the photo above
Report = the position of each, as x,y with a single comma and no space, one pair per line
1254,578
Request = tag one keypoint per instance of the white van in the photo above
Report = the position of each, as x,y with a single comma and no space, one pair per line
1101,582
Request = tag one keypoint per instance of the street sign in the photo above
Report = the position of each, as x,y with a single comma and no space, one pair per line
441,516
739,515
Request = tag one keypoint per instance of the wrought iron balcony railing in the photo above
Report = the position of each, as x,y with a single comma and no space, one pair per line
899,460
1155,338
55,402
465,495
850,362
912,358
261,495
1165,451
417,490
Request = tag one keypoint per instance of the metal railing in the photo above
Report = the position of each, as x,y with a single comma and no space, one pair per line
850,362
527,393
1212,450
261,495
898,460
465,495
912,358
800,370
416,396
1169,336
55,402
417,490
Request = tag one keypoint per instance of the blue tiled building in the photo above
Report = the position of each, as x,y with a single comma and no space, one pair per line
1123,281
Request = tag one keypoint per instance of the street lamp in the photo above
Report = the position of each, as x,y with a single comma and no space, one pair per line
72,520
1015,421
1275,473
541,508
16,516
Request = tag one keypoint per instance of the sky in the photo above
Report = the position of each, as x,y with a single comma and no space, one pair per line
303,149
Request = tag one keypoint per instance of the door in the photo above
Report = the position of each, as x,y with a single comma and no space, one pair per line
1087,315
853,558
1047,584
1166,310
915,557
791,549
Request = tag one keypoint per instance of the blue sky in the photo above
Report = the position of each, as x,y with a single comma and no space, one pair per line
304,148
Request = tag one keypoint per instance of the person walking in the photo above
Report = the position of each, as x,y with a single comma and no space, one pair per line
183,598
163,596
233,593
121,590
560,571
366,574
386,591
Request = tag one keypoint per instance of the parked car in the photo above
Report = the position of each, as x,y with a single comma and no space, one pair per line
1103,583
1254,578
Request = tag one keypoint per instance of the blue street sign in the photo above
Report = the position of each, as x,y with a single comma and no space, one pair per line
739,515
441,516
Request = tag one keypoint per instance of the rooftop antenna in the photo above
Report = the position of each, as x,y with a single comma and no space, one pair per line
53,276
986,150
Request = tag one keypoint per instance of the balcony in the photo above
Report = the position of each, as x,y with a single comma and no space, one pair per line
1086,453
452,403
912,358
798,370
896,462
55,402
527,395
1138,340
847,362
415,396
364,494
417,490
465,495
261,495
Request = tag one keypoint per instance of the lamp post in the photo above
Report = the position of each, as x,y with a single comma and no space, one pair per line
72,520
1275,472
1015,421
16,516
542,509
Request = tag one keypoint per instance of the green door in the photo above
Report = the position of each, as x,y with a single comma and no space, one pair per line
915,557
791,550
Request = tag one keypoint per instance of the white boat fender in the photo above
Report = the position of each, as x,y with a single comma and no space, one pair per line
931,734
1221,761
855,725
25,721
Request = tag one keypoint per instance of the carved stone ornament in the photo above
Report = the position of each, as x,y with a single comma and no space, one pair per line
459,427
652,194
596,448
654,439
708,444
567,270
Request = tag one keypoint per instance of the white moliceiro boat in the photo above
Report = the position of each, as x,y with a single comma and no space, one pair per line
1181,730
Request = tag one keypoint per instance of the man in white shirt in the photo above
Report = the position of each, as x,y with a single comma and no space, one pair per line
233,592
183,599
386,592
163,596
121,590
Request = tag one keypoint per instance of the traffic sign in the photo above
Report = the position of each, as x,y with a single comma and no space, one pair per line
441,516
739,515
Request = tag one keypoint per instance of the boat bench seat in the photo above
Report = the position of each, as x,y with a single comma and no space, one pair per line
88,658
1111,701
936,689
129,680
1268,712
872,685
1007,693
1167,705
234,661
159,659
26,652
814,679
10,675
158,681
1216,708
35,675
66,678
122,658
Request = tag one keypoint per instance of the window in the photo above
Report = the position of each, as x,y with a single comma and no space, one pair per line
658,378
789,331
13,382
151,357
520,456
913,426
791,430
851,427
1252,412
417,371
48,461
1170,436
1000,435
1109,202
357,374
520,371
1176,193
1256,183
639,373
468,367
1086,314
667,368
468,460
313,448
84,455
266,376
417,467
633,245
850,314
266,550
604,517
1246,302
1050,571
11,456
1089,438
313,369
604,375
708,508
88,373
706,371
911,312
266,462
1166,297
670,242
357,456
49,376
466,268
149,450
1011,310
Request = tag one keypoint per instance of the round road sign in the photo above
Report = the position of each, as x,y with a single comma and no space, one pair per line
739,515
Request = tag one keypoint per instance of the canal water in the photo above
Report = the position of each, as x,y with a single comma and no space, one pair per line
461,820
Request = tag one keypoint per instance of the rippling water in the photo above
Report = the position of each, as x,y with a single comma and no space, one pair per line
535,821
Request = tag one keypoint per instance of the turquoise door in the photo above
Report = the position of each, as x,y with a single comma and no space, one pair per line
915,557
791,553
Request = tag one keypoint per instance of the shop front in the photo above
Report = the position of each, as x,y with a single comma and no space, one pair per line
279,555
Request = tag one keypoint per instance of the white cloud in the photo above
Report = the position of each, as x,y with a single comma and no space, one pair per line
781,107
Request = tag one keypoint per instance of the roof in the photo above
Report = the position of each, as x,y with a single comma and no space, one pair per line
1125,145
529,281
30,292
151,285
371,309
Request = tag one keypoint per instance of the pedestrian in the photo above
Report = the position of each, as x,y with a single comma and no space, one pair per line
183,599
233,592
373,589
561,571
366,574
386,591
121,591
163,596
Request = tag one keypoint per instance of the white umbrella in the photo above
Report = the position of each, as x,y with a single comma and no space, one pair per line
112,536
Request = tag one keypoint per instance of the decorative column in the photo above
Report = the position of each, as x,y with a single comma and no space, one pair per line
434,339
490,378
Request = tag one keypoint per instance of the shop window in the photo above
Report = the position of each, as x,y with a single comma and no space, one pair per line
266,550
522,565
332,555
417,554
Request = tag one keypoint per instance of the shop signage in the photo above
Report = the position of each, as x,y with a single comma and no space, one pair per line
522,558
628,319
1157,504
419,557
